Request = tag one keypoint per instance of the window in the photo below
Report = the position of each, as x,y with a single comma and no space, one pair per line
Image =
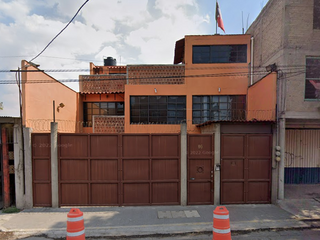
219,54
312,88
218,108
316,14
101,108
157,109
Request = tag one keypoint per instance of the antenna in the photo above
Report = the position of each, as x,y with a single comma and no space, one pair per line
242,24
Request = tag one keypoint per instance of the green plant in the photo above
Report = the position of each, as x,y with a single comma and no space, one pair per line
11,210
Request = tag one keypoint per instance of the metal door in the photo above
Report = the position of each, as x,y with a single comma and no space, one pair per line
200,169
246,168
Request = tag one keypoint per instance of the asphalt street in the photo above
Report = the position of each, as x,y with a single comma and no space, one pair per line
307,234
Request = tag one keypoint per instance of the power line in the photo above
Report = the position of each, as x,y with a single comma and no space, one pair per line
93,78
60,31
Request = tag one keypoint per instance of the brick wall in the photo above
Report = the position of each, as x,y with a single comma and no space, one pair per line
108,124
102,83
283,34
156,74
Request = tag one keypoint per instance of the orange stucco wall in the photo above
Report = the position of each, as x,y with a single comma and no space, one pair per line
197,82
262,100
38,100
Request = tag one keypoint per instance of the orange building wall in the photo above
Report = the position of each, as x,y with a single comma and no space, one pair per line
196,83
262,99
38,102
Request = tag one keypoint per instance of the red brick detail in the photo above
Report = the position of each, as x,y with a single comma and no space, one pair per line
102,83
5,169
108,124
156,74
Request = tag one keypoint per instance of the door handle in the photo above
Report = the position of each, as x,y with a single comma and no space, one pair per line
192,178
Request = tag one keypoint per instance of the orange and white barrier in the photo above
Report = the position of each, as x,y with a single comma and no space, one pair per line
221,224
75,225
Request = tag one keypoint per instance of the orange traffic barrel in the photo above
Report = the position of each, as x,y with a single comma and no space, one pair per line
221,224
75,225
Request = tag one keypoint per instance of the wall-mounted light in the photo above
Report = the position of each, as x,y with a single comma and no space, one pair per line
271,68
155,90
219,89
61,105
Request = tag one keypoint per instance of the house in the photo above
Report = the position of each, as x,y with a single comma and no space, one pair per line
197,131
287,34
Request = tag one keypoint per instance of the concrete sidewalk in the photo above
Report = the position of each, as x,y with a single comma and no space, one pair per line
148,221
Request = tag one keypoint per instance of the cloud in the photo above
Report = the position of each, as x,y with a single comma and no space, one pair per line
134,32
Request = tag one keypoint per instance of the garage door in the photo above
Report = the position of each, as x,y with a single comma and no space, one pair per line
246,168
98,169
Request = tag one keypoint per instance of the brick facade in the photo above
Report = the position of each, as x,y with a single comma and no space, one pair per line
156,74
283,34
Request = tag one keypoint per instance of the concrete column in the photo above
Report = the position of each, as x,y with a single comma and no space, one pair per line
54,165
28,168
217,162
183,165
282,123
18,167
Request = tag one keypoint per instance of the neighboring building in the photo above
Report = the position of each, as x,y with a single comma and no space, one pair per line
7,168
193,132
287,33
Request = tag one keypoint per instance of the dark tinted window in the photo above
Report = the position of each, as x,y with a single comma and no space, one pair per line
218,108
157,109
101,108
219,54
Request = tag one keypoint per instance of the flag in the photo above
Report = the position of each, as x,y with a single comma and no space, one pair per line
219,17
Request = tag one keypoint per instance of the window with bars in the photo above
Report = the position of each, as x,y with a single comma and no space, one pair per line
101,108
157,109
219,54
312,87
218,108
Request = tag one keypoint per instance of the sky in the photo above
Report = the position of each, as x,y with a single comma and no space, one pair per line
132,31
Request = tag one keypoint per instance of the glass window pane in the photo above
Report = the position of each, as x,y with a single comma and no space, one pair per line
181,100
171,106
172,99
95,105
196,99
196,113
196,106
181,106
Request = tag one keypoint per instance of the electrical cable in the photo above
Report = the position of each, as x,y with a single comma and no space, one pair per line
60,31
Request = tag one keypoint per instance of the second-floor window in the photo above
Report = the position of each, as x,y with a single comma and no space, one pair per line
312,88
218,108
157,109
219,54
101,108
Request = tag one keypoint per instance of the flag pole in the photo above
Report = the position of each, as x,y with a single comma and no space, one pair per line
216,18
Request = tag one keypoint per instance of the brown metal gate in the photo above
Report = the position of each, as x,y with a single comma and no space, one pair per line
246,168
119,169
200,169
41,169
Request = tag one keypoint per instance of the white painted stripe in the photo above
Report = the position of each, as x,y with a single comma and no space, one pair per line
221,216
75,234
75,219
222,231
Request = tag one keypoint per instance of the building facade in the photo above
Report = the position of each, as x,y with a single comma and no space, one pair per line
193,132
287,33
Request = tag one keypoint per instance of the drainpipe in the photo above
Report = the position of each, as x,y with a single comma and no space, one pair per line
251,79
